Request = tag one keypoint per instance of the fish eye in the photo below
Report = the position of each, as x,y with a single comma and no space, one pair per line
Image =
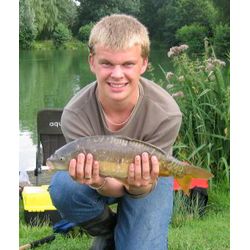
61,158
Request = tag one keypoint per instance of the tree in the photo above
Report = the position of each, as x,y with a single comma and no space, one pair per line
61,35
221,40
49,13
185,12
224,10
84,32
193,35
27,28
92,11
149,16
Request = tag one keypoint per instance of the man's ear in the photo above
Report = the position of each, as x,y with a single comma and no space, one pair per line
144,65
91,63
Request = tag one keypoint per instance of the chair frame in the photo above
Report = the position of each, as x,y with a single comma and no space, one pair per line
48,126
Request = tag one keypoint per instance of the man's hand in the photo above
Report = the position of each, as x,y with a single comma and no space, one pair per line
85,170
141,176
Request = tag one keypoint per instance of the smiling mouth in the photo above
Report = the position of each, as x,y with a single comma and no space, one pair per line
117,85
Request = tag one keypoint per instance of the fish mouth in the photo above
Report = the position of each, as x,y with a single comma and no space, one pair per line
49,164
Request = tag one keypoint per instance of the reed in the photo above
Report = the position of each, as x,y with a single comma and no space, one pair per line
201,88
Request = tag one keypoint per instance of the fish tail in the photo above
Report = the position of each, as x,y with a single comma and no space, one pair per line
190,173
197,172
184,183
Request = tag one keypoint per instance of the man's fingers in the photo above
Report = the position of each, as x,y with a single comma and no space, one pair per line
155,167
95,173
137,168
88,167
131,173
145,167
72,168
80,167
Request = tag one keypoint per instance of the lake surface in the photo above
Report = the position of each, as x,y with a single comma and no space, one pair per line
48,79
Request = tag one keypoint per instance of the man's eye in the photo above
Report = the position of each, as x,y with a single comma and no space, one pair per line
106,64
129,65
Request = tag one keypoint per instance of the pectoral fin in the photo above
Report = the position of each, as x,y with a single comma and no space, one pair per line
184,183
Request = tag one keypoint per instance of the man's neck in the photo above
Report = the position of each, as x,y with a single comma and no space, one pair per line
118,113
117,107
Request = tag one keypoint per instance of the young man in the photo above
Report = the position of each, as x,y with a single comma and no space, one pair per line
119,102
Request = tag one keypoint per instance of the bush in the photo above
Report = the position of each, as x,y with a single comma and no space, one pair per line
221,40
61,35
26,37
193,35
176,14
27,27
84,32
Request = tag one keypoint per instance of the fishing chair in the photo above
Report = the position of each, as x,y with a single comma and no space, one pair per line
49,137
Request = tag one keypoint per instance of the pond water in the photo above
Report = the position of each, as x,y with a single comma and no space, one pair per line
48,79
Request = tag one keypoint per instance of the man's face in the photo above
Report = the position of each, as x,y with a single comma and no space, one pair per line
117,72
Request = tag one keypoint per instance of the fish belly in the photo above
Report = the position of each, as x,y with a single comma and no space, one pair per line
114,169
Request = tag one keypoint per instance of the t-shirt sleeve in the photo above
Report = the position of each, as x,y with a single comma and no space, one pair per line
73,126
164,134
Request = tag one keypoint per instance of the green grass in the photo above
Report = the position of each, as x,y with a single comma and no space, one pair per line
212,231
29,233
187,231
208,233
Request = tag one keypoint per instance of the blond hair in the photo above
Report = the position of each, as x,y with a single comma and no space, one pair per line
120,31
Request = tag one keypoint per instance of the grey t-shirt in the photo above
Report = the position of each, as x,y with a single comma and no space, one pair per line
155,119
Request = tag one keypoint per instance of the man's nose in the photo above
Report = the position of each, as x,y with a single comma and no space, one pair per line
117,72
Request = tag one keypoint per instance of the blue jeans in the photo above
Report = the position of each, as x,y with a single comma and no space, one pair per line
142,224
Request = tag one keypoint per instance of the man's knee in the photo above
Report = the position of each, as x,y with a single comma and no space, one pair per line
58,188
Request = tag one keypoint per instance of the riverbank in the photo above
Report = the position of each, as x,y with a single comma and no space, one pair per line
74,44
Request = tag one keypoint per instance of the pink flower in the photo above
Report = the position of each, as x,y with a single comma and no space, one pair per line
174,51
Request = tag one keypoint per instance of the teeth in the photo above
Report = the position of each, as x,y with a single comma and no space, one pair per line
117,85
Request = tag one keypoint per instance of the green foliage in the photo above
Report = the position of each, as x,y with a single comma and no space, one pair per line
26,37
163,18
49,13
61,35
84,32
178,13
43,45
193,35
149,16
46,17
67,12
92,11
201,11
74,44
201,88
221,40
223,7
27,28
